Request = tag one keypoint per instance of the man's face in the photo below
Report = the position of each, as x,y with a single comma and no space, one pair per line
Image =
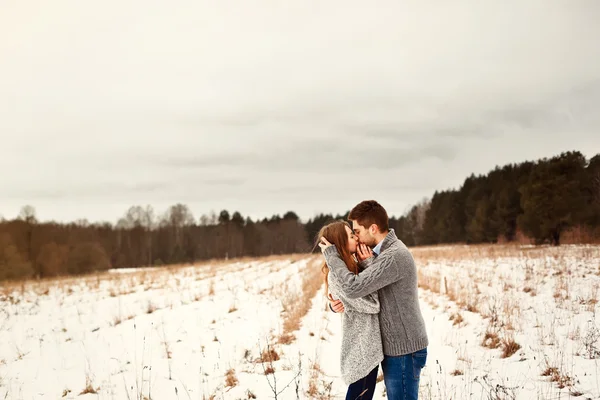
363,234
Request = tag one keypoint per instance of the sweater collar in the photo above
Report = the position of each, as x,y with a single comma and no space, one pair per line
388,240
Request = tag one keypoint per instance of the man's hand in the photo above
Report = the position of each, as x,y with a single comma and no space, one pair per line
337,306
323,244
363,252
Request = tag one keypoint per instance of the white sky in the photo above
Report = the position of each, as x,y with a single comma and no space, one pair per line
264,106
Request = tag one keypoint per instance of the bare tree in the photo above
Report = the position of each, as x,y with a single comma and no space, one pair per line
148,221
27,214
203,221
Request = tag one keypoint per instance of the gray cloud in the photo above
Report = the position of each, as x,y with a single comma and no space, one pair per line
267,109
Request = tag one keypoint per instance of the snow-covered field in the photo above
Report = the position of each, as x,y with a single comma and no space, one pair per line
508,322
260,329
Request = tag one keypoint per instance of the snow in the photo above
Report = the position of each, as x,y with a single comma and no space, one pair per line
174,333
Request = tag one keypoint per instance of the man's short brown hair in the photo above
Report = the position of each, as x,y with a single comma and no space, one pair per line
370,212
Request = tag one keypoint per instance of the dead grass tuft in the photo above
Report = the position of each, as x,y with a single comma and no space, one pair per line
532,292
269,355
456,319
230,379
269,370
286,338
509,347
89,388
150,308
562,380
491,340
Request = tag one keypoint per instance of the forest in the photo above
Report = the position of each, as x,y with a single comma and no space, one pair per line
537,202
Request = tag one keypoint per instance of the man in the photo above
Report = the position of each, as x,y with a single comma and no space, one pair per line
393,274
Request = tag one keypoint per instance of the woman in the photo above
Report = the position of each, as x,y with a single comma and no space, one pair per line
362,350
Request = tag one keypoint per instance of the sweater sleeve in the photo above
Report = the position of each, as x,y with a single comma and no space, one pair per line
382,271
368,304
364,264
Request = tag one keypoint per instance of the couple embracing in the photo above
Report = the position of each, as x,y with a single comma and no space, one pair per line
371,279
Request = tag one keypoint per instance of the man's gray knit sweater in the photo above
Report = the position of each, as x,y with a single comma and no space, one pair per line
393,275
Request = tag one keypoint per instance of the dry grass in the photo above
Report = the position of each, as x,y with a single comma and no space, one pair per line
286,338
231,379
269,355
494,251
150,308
456,372
532,292
509,347
562,380
297,305
313,387
491,340
456,319
269,370
89,387
318,388
151,277
429,282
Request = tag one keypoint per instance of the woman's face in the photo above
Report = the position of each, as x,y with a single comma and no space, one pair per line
352,241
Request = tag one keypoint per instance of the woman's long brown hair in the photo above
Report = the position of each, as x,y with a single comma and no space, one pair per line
336,234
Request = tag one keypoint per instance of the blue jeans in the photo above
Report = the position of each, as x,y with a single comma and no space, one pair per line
402,373
363,389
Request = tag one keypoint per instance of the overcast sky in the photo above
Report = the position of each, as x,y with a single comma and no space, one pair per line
267,106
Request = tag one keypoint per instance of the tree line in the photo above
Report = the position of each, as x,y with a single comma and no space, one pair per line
29,248
539,200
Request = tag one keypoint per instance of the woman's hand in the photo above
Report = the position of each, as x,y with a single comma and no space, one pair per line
323,244
363,252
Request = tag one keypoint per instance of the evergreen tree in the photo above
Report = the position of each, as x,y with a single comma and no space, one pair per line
554,198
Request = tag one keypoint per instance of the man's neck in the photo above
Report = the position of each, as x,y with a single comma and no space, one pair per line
379,237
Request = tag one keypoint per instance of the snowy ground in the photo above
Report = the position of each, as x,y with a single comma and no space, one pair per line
226,330
544,300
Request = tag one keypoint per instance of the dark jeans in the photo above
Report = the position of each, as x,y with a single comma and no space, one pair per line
363,389
402,374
